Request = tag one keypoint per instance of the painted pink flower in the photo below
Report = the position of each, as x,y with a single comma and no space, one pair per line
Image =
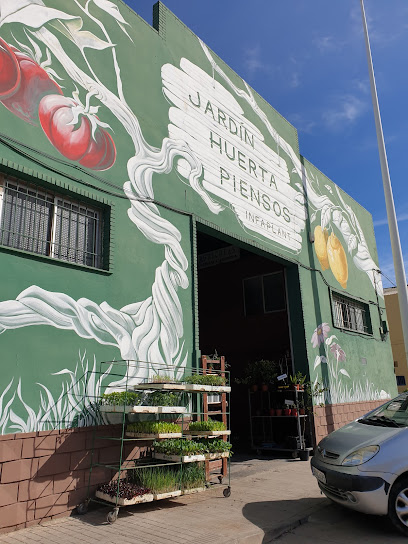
320,333
339,353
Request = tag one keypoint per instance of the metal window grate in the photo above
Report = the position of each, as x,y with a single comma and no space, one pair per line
350,314
401,380
41,222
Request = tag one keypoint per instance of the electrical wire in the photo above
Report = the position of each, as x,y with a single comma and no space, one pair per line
17,147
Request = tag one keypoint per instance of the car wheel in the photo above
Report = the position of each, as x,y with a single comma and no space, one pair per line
398,505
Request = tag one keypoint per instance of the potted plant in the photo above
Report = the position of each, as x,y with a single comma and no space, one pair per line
261,372
287,410
278,411
298,381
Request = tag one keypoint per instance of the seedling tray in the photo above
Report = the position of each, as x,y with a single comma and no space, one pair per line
148,497
192,387
193,490
179,458
143,409
208,434
152,436
159,496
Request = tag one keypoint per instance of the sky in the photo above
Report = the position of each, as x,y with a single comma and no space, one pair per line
307,59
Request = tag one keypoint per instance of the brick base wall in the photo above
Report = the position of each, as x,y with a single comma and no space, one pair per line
333,416
44,475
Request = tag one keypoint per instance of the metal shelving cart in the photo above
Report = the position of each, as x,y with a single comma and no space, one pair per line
263,425
194,406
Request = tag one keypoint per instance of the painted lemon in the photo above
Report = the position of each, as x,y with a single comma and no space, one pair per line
320,245
337,260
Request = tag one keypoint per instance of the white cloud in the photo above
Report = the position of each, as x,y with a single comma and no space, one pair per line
253,62
326,43
301,123
346,110
384,221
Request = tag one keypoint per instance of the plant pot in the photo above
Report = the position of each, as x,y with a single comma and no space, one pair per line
287,411
272,411
264,387
304,455
278,411
254,388
302,411
294,412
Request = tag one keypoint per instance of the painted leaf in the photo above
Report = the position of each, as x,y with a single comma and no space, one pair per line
110,8
317,362
330,339
82,38
30,13
343,371
352,243
326,215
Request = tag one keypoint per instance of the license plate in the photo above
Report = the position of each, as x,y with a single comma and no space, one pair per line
321,476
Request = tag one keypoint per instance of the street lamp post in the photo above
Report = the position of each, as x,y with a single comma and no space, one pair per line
389,199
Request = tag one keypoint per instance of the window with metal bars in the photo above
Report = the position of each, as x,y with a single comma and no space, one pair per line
45,223
351,314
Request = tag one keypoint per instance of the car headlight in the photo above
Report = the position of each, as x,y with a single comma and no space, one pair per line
360,456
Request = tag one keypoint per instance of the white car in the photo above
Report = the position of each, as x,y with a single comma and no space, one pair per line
364,465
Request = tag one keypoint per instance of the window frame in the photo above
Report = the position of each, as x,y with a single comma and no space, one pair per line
101,252
261,276
355,304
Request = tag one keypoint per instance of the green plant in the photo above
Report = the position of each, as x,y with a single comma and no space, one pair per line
210,425
159,398
178,446
262,371
215,445
298,378
158,479
153,427
162,378
205,379
128,398
193,475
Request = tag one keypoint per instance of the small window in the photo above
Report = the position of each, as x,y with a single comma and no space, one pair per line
395,364
351,314
401,380
264,294
42,222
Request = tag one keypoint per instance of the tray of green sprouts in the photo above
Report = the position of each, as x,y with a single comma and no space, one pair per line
156,402
190,451
164,481
215,448
153,429
124,493
201,383
207,428
179,450
120,401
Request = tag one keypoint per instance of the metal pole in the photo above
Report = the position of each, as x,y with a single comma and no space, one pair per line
389,199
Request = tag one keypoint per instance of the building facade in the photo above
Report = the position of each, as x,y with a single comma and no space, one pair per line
396,337
154,207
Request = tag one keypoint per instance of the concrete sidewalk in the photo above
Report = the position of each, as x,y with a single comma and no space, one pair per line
268,497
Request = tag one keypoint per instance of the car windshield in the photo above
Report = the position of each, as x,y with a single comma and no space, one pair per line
391,414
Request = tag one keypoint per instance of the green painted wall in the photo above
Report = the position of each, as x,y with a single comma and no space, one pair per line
193,144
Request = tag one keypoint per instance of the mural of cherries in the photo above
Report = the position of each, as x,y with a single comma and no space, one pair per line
27,91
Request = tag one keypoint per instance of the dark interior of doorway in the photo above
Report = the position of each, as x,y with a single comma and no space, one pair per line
242,315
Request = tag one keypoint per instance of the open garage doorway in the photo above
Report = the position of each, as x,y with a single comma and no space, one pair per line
243,315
